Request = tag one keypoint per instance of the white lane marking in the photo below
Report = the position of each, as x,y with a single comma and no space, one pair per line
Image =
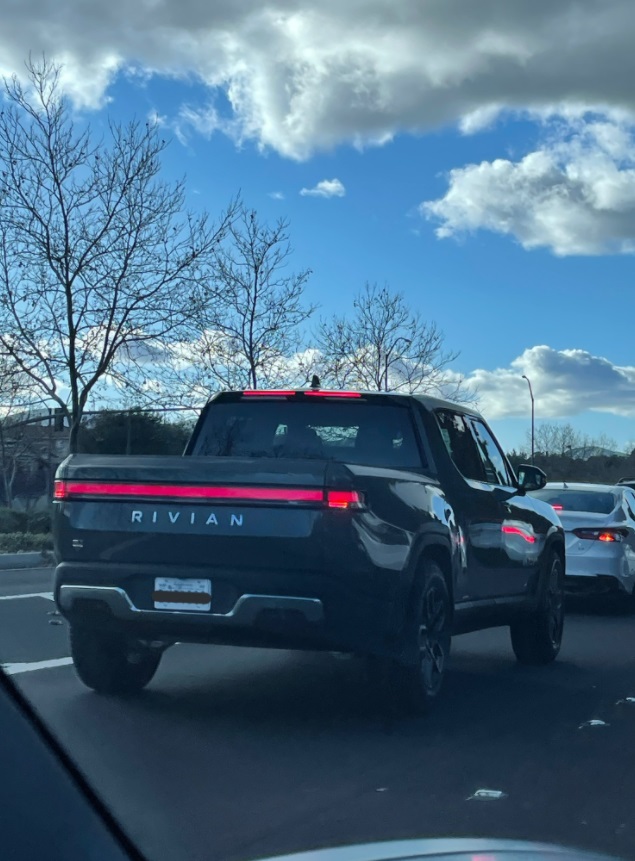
48,595
14,669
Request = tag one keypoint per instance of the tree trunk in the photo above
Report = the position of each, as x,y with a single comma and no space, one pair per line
6,467
73,438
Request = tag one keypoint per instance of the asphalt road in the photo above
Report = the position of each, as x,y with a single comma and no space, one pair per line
238,754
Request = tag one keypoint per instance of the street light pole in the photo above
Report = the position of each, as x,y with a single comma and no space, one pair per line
531,395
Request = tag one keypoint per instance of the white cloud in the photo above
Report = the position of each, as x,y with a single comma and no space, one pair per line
276,195
565,383
205,121
325,188
480,118
303,76
157,119
574,195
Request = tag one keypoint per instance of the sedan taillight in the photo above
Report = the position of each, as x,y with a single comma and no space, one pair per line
607,535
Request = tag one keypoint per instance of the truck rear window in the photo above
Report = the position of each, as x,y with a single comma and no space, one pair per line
363,433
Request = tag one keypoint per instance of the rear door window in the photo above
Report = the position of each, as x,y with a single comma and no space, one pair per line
494,463
460,443
361,433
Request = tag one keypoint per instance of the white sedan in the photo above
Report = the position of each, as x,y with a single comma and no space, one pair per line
599,525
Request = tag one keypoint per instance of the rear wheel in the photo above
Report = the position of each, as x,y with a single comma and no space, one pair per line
110,664
417,685
537,637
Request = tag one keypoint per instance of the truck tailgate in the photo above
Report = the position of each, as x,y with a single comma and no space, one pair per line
175,511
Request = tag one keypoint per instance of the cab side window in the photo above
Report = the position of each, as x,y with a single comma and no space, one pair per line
494,464
460,444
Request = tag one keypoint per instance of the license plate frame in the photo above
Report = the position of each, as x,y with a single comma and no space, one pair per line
181,593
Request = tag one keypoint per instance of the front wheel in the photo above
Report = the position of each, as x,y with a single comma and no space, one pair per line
417,685
110,664
536,638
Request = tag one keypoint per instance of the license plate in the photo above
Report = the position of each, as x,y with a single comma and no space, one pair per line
177,593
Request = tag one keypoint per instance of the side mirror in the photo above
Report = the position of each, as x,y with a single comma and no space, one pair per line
530,477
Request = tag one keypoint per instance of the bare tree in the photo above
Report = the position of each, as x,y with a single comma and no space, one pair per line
562,439
9,460
19,449
15,445
385,346
596,445
247,337
555,438
98,258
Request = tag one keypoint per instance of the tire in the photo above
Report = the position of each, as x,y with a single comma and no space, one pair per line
416,686
536,638
109,664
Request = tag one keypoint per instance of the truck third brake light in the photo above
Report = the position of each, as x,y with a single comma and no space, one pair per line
324,394
290,393
268,393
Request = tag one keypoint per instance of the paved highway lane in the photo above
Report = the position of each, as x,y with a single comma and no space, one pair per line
25,581
31,630
235,754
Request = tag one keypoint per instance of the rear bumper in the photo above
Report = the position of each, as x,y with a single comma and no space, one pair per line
245,611
260,609
596,585
599,572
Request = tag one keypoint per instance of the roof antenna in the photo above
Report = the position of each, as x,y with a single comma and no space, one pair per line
315,382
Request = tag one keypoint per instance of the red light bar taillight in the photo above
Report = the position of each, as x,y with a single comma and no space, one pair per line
608,535
350,499
73,489
345,499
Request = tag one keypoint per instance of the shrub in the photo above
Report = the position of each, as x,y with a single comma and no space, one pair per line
39,522
17,542
12,521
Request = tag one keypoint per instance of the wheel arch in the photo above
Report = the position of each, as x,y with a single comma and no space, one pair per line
555,544
440,553
436,551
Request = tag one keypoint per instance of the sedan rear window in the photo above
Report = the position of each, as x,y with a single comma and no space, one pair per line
594,501
361,433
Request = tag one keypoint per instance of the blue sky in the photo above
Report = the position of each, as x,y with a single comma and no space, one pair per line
526,164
